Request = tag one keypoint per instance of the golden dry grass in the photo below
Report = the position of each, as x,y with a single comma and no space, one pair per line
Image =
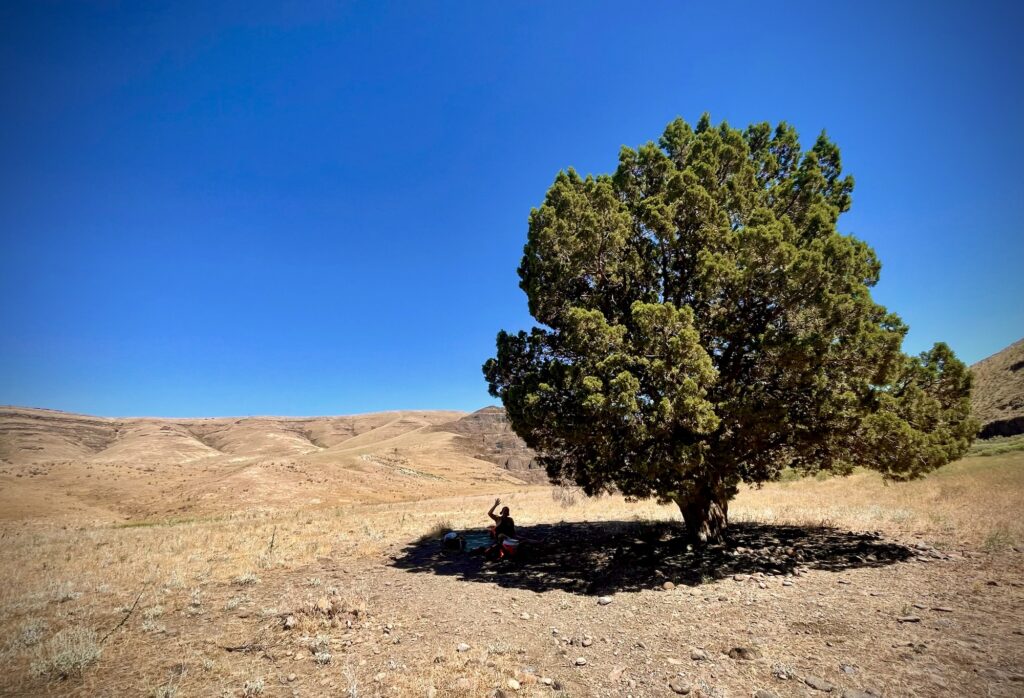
973,503
66,585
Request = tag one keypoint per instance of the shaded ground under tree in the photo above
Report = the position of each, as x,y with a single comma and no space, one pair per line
611,556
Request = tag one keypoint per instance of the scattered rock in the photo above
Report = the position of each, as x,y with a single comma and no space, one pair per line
698,655
908,619
292,677
680,686
746,654
524,616
615,675
580,661
668,586
587,641
854,693
546,681
942,609
818,684
741,577
763,693
462,647
787,583
289,622
324,605
513,684
604,600
431,692
847,668
463,684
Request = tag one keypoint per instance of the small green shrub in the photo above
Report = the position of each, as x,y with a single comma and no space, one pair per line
67,653
997,541
253,688
436,531
247,579
31,632
997,445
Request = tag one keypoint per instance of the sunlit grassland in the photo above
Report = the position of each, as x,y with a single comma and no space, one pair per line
60,585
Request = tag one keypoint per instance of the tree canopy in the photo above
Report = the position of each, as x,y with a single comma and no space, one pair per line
702,322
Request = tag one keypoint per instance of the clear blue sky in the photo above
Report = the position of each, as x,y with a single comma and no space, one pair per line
245,209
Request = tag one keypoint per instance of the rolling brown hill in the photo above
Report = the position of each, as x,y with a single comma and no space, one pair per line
998,394
58,463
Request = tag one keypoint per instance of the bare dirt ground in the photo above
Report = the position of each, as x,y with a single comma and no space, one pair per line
826,587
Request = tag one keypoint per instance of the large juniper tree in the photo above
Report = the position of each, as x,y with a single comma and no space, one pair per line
703,323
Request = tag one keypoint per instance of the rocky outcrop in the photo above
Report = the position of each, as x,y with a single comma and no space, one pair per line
487,435
997,398
1002,427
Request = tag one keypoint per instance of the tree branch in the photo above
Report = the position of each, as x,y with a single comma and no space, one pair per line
126,615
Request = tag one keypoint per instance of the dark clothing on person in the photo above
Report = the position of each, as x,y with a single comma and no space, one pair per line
506,527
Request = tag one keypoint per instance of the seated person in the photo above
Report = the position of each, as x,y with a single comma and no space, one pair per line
504,526
506,542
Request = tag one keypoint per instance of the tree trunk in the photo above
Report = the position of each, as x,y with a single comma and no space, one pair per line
706,514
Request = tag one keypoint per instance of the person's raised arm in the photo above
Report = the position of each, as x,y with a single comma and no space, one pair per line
491,512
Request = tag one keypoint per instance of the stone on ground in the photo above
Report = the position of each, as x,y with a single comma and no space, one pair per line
818,684
680,686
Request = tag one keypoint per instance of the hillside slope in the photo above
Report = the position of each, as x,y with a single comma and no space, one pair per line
57,463
998,394
487,434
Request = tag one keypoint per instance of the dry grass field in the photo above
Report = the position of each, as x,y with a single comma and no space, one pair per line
852,585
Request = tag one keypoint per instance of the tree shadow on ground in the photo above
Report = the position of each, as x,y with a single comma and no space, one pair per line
611,556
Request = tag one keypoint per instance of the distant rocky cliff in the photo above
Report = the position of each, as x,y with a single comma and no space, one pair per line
486,434
997,398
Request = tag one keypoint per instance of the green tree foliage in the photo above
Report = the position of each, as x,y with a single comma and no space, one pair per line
703,323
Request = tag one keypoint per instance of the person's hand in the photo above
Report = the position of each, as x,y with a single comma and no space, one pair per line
497,501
